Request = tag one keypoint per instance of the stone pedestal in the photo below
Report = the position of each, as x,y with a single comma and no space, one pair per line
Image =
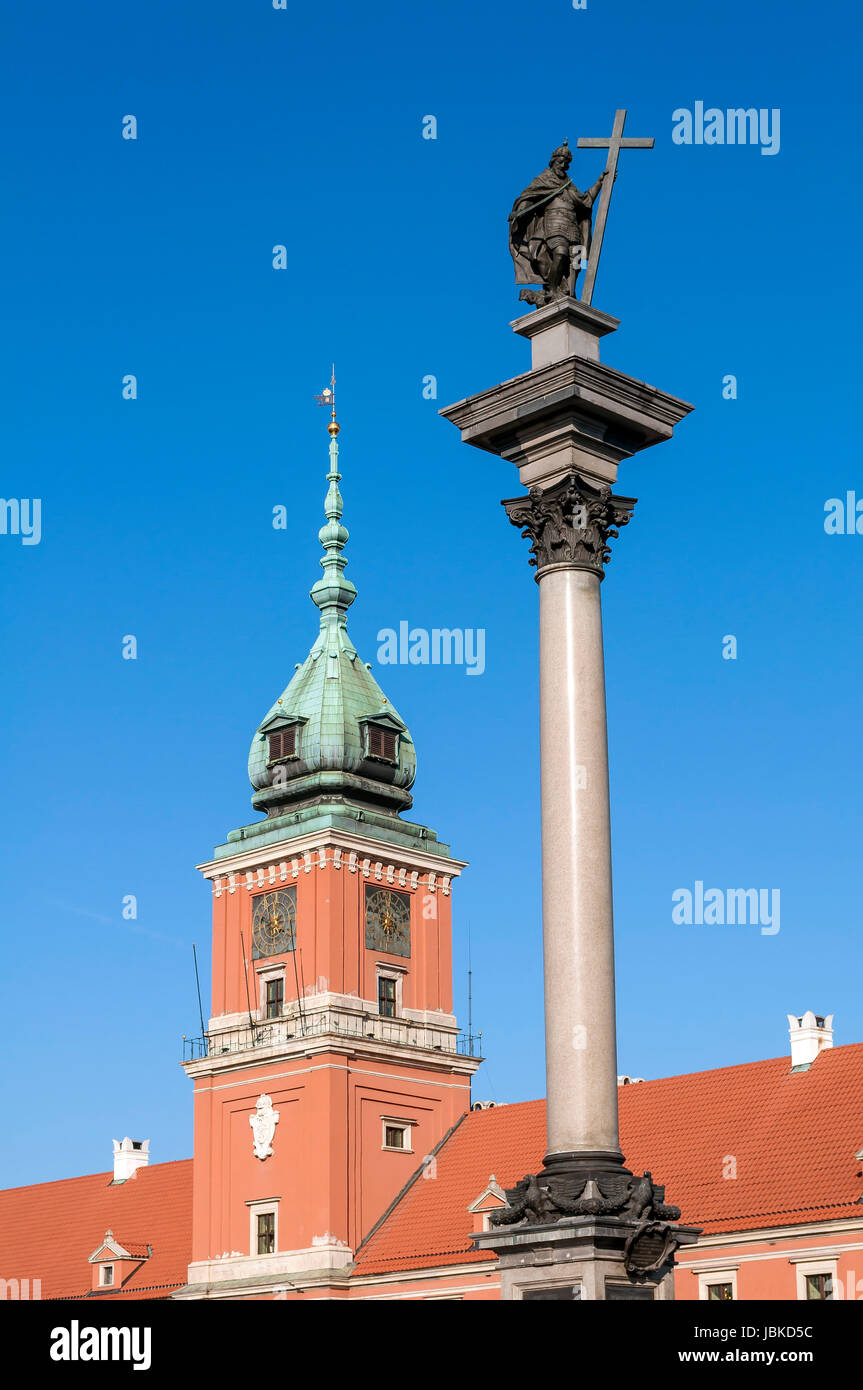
567,425
582,1260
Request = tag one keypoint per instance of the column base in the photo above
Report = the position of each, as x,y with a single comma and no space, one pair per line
585,1259
587,1209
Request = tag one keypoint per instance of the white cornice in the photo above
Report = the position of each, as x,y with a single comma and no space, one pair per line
298,846
460,1065
768,1234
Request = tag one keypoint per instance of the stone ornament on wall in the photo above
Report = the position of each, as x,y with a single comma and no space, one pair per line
570,523
263,1124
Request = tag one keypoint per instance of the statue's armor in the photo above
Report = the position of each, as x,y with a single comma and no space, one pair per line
559,217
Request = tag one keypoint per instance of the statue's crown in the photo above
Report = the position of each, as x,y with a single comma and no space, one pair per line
562,151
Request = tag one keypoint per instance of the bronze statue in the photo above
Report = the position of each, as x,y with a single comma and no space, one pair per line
549,230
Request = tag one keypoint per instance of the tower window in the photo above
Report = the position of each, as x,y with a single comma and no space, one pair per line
720,1293
107,1275
283,743
386,997
381,743
266,1232
275,997
394,1137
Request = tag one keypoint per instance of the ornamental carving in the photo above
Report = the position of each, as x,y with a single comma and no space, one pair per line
263,1124
637,1203
571,523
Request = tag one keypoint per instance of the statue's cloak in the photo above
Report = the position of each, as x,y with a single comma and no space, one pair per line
525,221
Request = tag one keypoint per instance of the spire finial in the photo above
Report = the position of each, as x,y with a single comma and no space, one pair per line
333,594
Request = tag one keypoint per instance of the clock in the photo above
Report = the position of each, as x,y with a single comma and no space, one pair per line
274,922
388,921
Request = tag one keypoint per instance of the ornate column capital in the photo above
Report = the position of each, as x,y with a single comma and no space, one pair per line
570,523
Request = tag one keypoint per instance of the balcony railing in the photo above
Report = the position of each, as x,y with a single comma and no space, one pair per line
400,1032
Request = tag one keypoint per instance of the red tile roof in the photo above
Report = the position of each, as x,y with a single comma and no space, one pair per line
790,1138
49,1231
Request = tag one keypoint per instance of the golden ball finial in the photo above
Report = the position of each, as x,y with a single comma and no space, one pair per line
333,428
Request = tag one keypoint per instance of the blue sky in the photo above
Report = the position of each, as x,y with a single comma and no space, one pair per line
154,257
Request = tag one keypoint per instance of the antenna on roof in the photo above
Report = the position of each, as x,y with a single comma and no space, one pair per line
198,983
300,991
469,990
246,978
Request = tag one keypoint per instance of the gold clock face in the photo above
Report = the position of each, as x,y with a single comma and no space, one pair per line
388,921
274,922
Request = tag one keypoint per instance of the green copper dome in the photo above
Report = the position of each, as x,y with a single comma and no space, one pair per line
332,736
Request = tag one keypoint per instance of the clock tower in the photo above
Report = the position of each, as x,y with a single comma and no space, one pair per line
332,1065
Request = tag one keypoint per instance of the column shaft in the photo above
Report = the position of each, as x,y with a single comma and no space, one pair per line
578,942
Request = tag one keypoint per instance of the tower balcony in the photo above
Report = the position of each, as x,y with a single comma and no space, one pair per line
295,1031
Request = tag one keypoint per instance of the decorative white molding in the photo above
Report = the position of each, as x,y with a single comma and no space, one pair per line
444,885
307,861
432,882
352,861
337,858
491,1189
416,860
283,871
117,1251
232,883
217,887
403,873
334,1258
365,868
263,1124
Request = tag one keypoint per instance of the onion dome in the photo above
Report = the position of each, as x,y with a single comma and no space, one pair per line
332,735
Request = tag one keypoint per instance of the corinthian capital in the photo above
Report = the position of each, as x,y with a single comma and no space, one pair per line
570,524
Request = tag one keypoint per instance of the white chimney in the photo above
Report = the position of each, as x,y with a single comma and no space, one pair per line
129,1156
810,1034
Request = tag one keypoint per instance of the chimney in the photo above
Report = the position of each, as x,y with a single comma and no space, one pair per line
810,1034
129,1156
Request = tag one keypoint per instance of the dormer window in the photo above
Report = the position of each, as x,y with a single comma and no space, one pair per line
283,743
381,743
107,1276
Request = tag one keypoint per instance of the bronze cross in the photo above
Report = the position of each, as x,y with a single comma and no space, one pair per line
614,144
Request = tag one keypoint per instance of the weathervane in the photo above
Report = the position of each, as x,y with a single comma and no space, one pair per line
328,395
550,223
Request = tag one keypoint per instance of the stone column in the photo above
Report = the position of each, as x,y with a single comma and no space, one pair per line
569,526
585,1227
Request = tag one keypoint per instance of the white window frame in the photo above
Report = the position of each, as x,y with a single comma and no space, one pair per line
828,1264
268,1206
724,1274
273,972
397,1122
389,972
104,1281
